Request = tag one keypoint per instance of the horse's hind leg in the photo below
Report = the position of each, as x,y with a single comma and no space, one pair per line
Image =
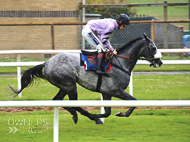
73,96
60,95
107,109
89,115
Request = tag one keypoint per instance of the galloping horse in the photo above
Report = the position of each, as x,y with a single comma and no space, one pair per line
64,71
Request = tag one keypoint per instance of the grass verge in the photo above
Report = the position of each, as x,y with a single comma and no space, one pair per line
168,125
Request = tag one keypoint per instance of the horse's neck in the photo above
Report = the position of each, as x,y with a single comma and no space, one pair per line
133,54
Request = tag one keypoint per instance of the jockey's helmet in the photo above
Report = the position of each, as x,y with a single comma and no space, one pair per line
122,19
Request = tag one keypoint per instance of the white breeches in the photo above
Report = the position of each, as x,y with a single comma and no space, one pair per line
91,38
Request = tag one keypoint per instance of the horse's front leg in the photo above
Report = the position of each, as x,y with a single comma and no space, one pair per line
126,114
125,96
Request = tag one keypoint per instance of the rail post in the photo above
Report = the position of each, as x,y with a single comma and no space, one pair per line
152,32
19,76
131,84
56,125
102,109
52,38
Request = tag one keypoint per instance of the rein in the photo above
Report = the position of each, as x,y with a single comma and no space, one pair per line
110,53
130,58
123,56
109,56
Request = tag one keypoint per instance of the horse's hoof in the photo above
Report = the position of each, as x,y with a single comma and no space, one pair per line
99,122
120,114
75,118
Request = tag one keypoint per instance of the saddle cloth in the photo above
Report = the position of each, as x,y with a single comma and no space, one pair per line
89,61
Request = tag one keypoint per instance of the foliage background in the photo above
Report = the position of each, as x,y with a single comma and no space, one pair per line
110,12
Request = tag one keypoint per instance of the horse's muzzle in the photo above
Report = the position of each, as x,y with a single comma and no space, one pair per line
156,63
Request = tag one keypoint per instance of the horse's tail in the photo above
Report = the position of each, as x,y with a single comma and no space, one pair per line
29,77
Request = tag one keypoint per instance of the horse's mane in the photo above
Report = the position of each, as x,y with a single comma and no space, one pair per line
129,43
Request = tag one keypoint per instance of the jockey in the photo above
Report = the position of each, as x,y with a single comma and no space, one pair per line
97,33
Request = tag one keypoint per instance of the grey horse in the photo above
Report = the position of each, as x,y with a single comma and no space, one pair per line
64,71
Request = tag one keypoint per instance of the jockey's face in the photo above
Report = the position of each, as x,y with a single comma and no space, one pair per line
121,27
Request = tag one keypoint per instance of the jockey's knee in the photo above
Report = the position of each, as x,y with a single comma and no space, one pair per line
100,48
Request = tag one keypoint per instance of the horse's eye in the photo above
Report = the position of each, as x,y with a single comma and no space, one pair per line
154,49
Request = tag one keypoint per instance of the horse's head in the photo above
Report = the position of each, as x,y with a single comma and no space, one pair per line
151,53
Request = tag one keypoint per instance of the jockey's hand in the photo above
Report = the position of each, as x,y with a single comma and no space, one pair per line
115,52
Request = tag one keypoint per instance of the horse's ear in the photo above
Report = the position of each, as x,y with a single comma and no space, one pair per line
145,36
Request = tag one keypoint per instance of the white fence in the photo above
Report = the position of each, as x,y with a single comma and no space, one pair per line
97,103
89,103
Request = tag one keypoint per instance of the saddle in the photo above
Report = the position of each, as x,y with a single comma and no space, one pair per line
88,59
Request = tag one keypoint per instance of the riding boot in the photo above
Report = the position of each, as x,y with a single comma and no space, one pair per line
99,64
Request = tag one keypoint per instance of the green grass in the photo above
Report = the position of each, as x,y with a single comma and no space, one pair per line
162,87
145,87
143,125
